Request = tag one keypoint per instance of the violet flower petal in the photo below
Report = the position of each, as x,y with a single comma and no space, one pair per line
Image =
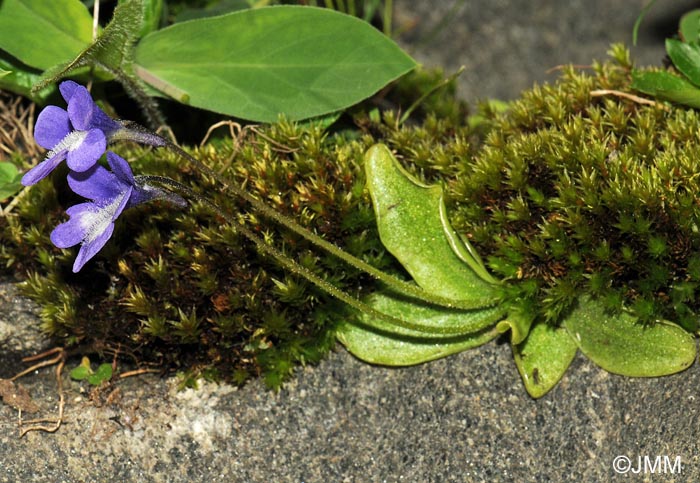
97,184
80,108
98,226
90,249
102,121
85,155
85,114
42,170
51,127
72,232
120,167
67,89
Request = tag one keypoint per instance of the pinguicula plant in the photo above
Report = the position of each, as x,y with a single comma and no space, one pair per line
566,221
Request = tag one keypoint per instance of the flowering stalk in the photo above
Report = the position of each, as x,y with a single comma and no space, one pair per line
81,134
304,272
134,132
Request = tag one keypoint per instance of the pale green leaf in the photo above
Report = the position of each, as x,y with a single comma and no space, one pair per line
411,223
689,26
257,64
20,79
622,345
402,347
686,58
543,358
666,86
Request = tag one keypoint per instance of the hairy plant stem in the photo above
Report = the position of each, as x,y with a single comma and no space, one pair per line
140,134
302,271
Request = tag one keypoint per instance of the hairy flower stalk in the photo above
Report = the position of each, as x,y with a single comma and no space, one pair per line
81,135
133,132
302,271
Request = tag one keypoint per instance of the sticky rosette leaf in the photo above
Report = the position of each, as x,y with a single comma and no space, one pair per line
412,226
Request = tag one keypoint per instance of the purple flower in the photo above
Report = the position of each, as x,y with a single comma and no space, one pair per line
79,134
91,224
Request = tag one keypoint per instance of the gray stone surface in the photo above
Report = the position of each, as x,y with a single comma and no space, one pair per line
507,45
462,419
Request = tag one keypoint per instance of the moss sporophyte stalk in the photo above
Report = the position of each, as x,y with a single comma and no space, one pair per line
567,221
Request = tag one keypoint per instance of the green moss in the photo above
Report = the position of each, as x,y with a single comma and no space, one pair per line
563,193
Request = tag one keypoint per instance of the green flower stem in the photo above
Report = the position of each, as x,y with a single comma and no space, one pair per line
302,271
140,134
394,283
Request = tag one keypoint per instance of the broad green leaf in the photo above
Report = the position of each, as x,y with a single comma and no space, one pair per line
407,347
9,180
543,358
622,345
257,64
42,33
4,72
666,86
689,26
686,58
411,223
218,8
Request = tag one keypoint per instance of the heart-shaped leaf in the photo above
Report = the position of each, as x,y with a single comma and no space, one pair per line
543,358
257,64
42,33
622,345
401,347
666,86
412,226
